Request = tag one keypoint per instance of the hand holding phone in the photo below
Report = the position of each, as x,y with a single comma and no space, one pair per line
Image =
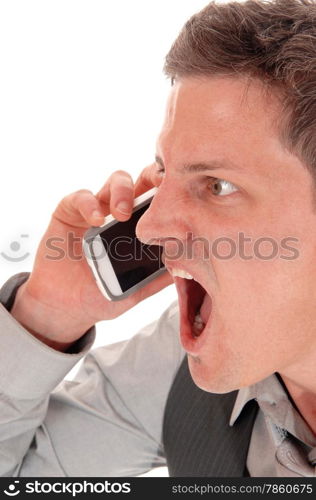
60,301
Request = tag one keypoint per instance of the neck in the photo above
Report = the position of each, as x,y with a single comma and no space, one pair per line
304,400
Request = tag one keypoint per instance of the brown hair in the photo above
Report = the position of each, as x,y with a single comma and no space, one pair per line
271,40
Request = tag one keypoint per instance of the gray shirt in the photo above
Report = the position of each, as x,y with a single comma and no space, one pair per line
108,420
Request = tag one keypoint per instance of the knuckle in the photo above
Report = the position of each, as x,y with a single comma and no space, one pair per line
82,191
122,173
80,196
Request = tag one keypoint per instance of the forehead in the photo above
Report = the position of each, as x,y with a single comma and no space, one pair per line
219,113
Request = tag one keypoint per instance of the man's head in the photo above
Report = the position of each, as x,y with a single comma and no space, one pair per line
242,110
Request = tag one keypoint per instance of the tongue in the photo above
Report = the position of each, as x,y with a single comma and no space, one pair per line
206,308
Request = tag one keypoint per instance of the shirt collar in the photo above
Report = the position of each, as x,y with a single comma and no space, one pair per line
274,402
244,395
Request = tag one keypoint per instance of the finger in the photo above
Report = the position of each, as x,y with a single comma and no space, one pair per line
148,179
118,193
84,202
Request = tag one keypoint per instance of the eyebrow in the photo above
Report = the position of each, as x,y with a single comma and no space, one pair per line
202,166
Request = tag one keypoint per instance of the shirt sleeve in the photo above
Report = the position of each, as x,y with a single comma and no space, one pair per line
106,422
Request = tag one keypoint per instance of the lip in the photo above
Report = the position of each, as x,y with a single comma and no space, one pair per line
190,344
196,273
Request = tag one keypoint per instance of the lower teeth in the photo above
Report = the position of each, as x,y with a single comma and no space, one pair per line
198,325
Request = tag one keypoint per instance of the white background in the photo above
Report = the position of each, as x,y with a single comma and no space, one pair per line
82,94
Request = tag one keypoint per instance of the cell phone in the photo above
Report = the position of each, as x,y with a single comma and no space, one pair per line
120,263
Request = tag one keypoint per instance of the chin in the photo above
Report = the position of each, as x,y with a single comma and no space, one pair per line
216,381
217,360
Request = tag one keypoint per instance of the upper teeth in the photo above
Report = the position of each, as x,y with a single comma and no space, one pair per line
181,273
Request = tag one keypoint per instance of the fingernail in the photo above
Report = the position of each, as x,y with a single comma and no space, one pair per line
97,214
123,207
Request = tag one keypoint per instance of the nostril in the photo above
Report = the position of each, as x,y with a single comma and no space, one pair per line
173,248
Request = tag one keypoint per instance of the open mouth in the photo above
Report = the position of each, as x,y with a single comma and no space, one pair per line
195,308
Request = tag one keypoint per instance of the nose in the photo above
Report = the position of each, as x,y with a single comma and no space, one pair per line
165,221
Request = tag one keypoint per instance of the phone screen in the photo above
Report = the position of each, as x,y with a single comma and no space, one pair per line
132,260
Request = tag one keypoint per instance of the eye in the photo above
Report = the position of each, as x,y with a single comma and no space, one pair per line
160,171
220,187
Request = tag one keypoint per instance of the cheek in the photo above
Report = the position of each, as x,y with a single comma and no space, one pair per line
267,306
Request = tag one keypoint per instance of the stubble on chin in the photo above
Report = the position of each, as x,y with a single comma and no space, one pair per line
195,359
